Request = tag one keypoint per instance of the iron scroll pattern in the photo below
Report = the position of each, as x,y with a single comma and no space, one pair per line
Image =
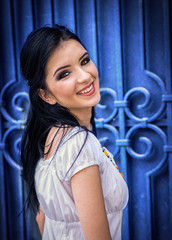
13,110
20,100
133,123
146,122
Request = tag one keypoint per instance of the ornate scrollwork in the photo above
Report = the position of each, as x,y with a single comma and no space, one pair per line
19,103
142,121
102,123
13,124
146,94
106,113
108,92
147,101
12,158
145,140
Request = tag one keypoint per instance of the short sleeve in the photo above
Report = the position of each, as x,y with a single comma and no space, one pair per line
80,150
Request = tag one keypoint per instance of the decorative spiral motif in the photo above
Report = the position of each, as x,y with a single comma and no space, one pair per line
147,96
21,97
104,140
141,122
145,140
6,153
112,93
19,103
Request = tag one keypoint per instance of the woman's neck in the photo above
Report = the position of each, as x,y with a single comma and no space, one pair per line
84,117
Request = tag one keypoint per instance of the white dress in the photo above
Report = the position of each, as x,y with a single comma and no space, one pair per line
53,188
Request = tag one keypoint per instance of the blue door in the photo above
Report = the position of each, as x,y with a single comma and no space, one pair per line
130,42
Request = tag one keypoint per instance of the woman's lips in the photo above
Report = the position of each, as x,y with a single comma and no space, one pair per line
87,91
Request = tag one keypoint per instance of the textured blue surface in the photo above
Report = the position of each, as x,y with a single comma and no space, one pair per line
129,41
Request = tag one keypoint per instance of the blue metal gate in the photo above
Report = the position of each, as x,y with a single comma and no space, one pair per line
130,43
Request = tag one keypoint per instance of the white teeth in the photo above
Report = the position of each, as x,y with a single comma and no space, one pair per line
87,90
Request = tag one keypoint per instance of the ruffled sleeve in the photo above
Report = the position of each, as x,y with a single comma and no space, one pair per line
79,150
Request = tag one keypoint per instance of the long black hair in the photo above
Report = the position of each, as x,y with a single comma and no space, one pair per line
39,46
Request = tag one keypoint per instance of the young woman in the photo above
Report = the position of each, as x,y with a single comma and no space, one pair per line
80,192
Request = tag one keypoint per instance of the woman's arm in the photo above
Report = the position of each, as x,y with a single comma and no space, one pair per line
88,197
40,218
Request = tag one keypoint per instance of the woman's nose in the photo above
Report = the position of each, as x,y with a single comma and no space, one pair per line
82,75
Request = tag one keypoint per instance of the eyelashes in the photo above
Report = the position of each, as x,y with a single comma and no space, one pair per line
66,73
63,75
85,61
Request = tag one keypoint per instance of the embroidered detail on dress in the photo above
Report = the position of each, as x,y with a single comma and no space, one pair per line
111,159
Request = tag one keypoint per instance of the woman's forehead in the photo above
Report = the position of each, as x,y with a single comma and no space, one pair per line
67,51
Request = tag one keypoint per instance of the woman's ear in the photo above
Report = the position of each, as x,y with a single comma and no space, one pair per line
47,97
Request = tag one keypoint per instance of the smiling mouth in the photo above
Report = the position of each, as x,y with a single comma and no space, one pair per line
87,90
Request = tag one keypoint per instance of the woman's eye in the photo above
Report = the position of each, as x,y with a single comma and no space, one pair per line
63,74
85,61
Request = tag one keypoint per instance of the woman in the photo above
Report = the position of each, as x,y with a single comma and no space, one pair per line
68,173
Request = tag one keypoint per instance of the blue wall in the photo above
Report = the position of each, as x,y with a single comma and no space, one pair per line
129,41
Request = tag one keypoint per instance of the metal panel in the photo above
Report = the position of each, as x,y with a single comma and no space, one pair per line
129,41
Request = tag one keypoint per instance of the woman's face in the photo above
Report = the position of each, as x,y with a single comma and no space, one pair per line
72,78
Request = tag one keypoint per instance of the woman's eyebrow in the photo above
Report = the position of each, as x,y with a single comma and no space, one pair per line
60,69
86,53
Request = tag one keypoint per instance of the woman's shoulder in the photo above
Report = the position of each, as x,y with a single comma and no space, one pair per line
79,149
79,135
63,138
54,138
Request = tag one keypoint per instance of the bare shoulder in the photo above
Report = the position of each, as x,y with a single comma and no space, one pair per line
53,140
